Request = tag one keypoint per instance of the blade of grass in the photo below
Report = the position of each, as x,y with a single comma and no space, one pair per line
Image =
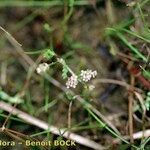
144,143
47,106
40,133
23,3
72,129
34,52
12,118
46,91
136,35
116,32
28,103
127,43
142,16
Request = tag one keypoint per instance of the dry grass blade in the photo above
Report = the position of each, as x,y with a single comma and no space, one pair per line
130,110
17,45
118,82
137,135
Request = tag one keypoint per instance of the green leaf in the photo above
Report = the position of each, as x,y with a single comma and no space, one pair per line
146,74
71,3
48,28
65,72
48,54
69,96
6,97
147,102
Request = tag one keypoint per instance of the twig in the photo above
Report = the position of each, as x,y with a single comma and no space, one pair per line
137,135
17,45
118,82
9,115
20,136
141,134
69,115
3,76
141,100
130,111
43,125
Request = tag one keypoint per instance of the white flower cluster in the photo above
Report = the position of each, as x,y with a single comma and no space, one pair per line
87,75
72,81
42,68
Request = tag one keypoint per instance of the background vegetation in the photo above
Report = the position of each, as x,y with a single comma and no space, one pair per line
111,37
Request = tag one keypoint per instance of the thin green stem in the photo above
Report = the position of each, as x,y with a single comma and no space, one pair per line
136,35
136,51
23,3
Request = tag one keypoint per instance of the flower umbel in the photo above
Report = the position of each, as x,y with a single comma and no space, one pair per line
72,81
42,68
86,75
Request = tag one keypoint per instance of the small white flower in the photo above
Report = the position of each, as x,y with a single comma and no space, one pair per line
87,75
60,60
43,67
72,81
94,74
91,87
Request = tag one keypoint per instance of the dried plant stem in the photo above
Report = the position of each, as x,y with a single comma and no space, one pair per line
130,113
141,100
69,115
137,135
118,82
9,115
